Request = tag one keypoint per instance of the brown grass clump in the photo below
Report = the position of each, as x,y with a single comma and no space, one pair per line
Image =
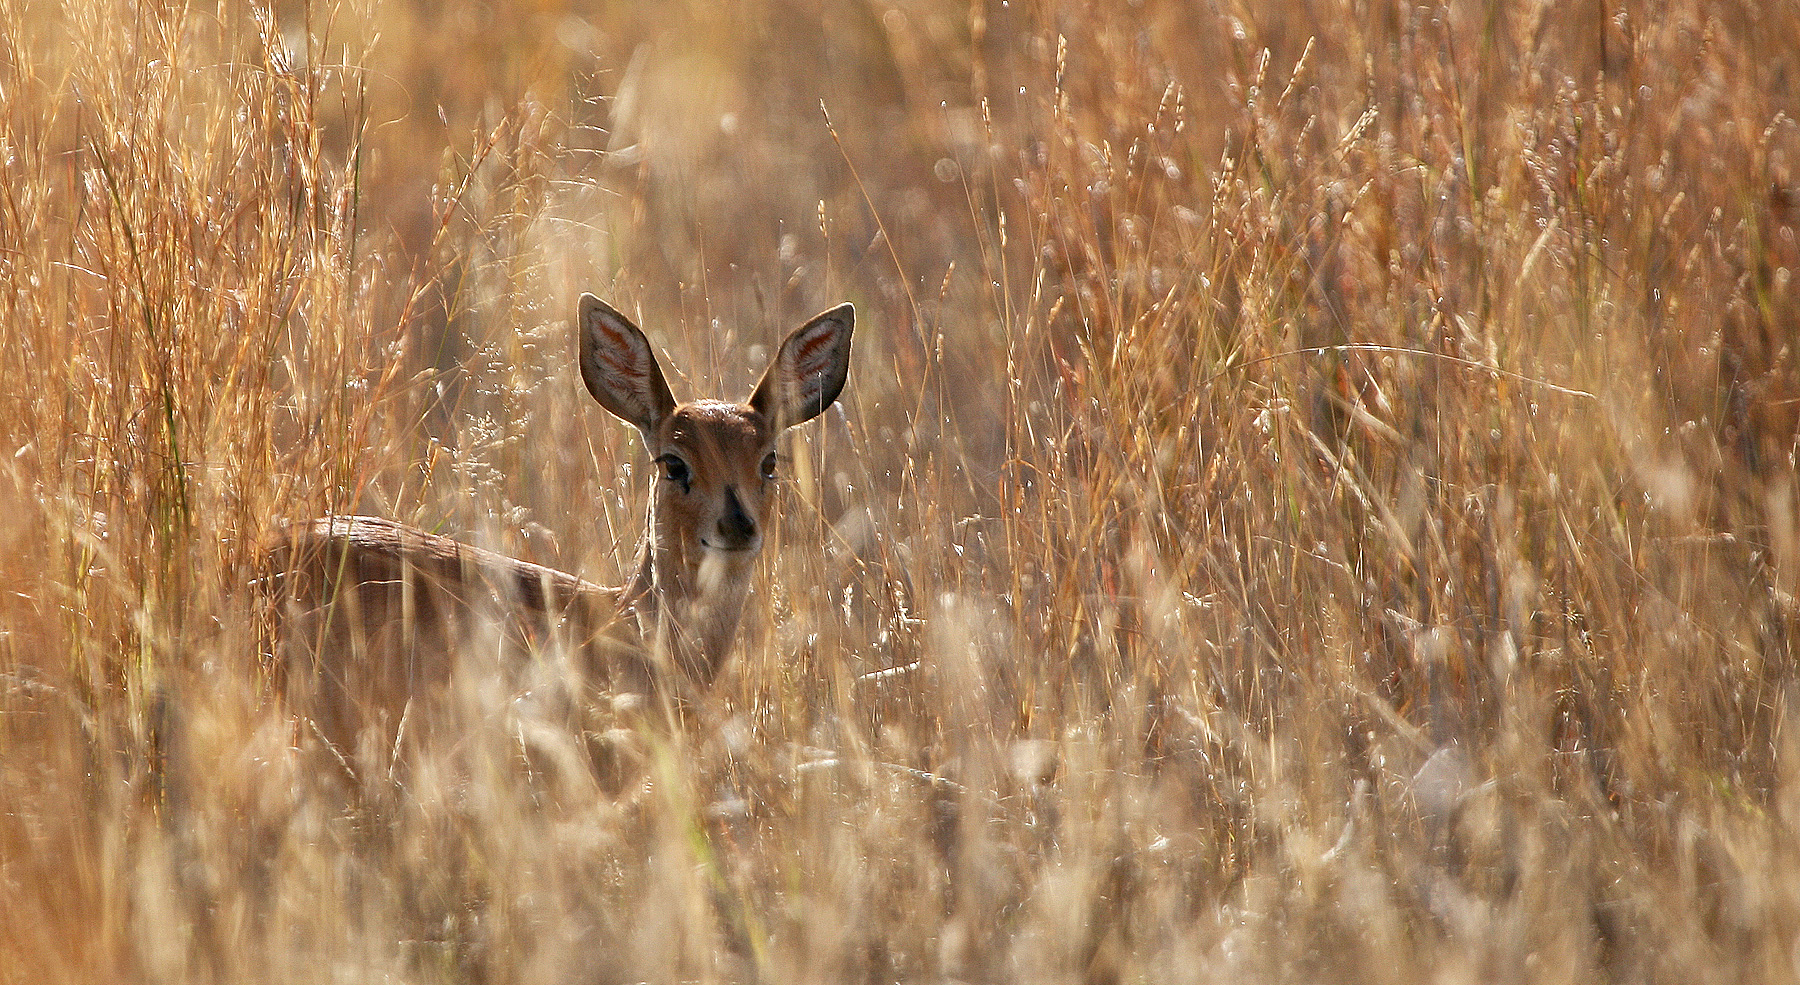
1315,500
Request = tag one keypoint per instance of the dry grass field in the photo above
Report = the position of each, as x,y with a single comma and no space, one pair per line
1315,498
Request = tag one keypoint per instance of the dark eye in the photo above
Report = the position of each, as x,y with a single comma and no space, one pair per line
675,470
768,466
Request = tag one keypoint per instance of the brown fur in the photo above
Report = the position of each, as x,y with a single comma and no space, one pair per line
379,618
374,614
687,587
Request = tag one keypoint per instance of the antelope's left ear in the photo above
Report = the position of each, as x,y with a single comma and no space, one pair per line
620,368
809,371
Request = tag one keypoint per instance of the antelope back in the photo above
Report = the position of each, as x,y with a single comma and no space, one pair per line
379,618
376,618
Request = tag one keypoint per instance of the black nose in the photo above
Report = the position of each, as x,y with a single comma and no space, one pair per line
736,530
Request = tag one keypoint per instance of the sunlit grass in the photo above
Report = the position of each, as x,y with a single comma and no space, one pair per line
1315,497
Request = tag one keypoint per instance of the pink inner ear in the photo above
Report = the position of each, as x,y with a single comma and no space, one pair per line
812,354
619,356
619,364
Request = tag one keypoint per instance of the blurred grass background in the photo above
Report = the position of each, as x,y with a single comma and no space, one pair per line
1315,500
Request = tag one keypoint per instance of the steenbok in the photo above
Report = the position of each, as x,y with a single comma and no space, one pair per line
378,618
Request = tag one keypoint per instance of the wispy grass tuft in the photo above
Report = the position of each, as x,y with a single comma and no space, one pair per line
1316,496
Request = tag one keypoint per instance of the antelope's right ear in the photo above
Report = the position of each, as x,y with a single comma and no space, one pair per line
620,368
809,370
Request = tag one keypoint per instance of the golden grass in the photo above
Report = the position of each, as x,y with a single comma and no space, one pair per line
1315,500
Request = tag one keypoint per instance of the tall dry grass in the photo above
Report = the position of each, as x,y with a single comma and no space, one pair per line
1315,499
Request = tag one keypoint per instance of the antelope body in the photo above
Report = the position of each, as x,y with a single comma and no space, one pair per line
378,617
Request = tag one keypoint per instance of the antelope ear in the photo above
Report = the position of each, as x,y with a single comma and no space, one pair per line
620,368
809,371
